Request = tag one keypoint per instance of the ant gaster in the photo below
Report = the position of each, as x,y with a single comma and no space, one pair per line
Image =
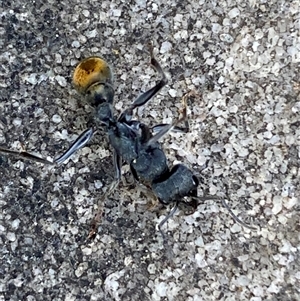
133,142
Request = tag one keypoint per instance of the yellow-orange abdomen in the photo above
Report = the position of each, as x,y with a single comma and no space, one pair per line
90,71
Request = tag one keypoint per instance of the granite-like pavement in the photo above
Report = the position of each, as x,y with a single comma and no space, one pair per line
241,59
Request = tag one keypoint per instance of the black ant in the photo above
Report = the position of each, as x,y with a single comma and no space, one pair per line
133,142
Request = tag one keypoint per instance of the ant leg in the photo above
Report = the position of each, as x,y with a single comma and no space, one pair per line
25,155
79,143
186,128
156,128
96,220
117,165
145,97
171,213
169,127
175,128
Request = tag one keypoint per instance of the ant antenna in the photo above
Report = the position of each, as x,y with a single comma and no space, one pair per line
225,205
203,198
25,155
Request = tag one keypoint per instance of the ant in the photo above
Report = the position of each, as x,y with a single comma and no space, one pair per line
133,142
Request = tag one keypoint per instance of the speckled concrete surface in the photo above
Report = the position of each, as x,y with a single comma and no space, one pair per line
242,58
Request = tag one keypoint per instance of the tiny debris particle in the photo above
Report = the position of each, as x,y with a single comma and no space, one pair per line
51,272
216,28
17,121
32,78
56,118
227,38
243,258
274,139
287,247
75,44
200,260
242,281
61,80
233,109
98,184
86,13
165,47
257,291
233,13
235,228
18,282
199,242
117,12
282,219
15,224
210,61
11,236
91,34
161,289
81,269
54,203
289,203
277,204
155,7
58,58
172,92
273,288
86,251
128,260
151,268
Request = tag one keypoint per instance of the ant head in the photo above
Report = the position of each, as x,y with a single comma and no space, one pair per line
93,78
99,93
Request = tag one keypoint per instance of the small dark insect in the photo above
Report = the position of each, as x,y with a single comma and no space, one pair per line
133,142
